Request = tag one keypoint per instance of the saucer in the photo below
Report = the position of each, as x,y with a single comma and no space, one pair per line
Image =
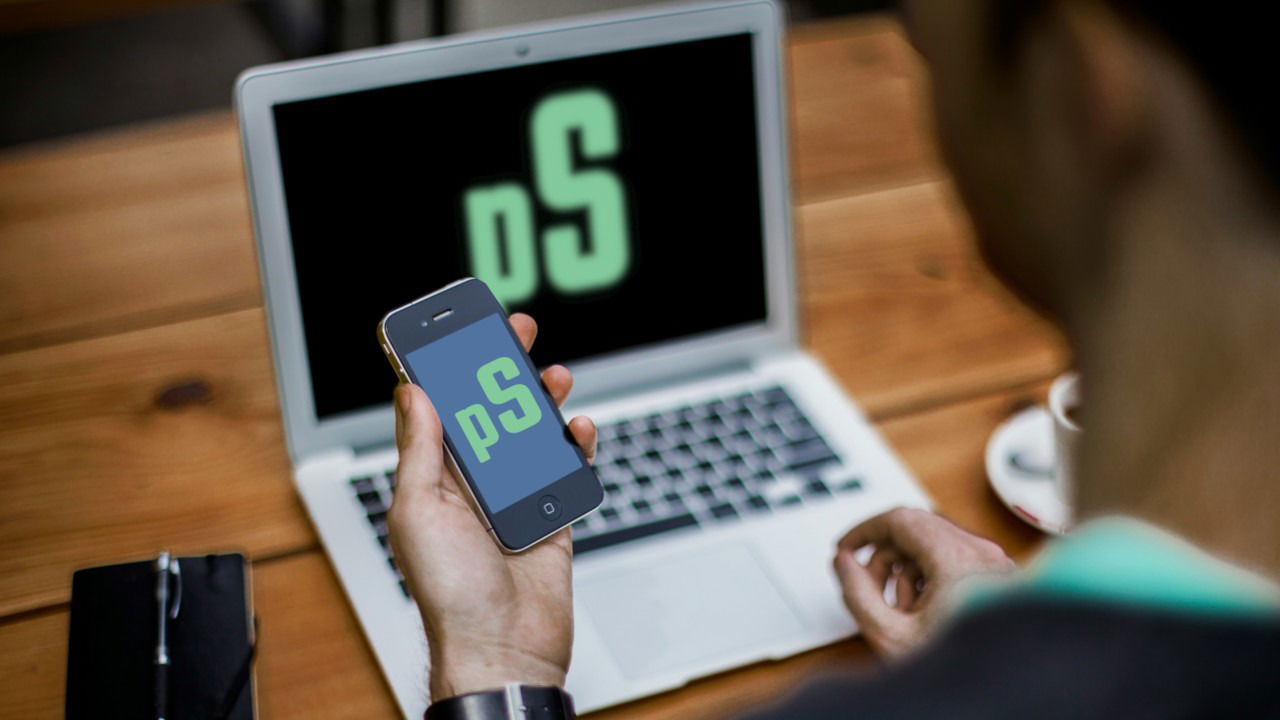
1020,468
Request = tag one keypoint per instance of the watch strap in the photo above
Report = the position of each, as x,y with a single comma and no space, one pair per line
512,702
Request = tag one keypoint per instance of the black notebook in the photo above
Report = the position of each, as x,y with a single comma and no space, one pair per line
111,669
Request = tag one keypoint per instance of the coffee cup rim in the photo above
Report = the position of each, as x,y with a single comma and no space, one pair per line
1065,388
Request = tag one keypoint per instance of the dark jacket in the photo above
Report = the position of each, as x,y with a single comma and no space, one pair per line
1047,658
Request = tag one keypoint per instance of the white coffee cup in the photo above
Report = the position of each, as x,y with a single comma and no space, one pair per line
1064,398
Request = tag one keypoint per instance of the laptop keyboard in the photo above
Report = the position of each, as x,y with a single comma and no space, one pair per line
723,460
373,492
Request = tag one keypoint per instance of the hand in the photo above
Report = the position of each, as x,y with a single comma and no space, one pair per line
491,618
924,556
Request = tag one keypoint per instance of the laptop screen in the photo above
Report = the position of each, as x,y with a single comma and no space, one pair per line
616,198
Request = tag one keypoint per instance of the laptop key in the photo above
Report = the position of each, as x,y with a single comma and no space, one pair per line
808,455
783,489
775,395
634,532
724,510
362,484
848,485
816,487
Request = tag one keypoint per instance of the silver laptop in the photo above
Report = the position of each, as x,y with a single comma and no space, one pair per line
648,230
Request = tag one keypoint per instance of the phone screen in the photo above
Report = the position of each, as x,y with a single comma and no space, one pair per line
490,401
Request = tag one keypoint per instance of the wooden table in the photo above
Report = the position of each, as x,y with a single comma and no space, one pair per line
138,410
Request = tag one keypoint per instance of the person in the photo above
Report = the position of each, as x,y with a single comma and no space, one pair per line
1121,166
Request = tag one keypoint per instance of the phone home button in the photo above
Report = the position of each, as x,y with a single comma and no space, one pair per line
549,507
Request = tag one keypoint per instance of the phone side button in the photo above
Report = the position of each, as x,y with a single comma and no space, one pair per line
549,507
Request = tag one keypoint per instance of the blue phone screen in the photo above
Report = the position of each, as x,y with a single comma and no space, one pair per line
494,412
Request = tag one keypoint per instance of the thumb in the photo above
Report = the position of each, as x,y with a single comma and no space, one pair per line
418,436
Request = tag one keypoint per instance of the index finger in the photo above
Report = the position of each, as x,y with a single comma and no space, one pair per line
526,329
903,528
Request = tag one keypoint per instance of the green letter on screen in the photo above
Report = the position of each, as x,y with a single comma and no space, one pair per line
478,427
530,413
605,258
495,213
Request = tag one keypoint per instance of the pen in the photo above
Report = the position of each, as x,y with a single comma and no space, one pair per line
163,570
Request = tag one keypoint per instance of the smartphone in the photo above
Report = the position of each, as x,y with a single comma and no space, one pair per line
503,432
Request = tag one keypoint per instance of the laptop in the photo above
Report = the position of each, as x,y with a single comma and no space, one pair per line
647,229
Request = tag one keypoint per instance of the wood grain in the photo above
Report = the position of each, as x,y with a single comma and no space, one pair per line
33,666
858,117
899,305
313,661
98,468
95,469
149,225
124,230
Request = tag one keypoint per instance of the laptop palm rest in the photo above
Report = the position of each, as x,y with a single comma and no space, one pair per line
686,609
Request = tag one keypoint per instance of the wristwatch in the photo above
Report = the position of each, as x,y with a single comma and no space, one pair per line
513,702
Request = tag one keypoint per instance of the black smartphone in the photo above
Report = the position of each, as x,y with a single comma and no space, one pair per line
503,432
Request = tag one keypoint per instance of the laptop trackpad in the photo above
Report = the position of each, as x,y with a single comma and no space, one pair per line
687,608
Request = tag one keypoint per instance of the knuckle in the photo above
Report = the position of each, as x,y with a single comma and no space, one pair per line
897,515
992,550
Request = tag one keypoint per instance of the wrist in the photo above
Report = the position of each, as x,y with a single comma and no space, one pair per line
474,669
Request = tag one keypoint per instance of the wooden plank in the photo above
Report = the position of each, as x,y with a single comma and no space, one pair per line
313,661
33,665
123,230
94,470
859,117
116,447
139,227
899,305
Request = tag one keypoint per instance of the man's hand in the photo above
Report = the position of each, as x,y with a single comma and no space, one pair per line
923,555
491,618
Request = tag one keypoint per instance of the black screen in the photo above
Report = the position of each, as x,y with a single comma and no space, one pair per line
616,198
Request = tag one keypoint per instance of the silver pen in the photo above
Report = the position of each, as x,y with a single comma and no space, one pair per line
166,569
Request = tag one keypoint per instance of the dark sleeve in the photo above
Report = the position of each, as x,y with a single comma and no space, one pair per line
976,669
1050,659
